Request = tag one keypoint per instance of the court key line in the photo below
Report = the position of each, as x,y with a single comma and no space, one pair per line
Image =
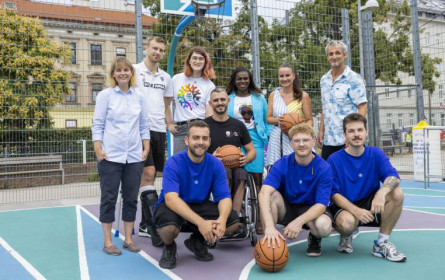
83,264
142,253
31,269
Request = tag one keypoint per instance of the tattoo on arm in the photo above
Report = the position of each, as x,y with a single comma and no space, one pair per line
391,182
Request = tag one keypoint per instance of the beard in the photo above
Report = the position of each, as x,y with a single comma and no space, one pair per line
193,151
220,110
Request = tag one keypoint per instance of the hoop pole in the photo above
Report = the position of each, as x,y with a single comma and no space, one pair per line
183,23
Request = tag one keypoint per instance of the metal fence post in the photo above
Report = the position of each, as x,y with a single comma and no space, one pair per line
373,99
345,33
255,42
417,61
138,27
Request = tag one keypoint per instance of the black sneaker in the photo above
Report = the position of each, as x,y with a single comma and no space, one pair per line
168,259
151,232
199,248
313,246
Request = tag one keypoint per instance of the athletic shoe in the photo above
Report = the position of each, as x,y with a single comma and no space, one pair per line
132,247
313,246
345,244
168,258
356,233
151,232
388,251
199,248
112,250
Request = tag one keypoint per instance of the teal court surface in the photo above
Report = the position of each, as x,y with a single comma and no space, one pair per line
66,243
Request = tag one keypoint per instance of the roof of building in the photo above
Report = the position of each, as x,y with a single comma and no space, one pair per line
434,6
78,13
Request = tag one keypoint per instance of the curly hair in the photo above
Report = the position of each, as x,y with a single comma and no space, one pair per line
232,87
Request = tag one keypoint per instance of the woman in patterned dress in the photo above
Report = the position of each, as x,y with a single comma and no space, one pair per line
285,99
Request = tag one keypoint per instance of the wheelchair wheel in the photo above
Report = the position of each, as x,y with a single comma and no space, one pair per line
252,202
253,238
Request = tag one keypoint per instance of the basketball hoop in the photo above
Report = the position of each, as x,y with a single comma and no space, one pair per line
201,6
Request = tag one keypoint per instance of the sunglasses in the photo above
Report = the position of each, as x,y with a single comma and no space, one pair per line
246,113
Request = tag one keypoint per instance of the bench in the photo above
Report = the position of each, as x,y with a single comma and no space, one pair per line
31,165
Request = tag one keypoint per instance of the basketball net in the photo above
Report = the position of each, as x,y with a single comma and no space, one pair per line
202,6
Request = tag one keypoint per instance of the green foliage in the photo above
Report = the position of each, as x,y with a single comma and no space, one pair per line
31,82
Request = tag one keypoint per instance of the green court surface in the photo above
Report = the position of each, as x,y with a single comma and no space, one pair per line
423,192
425,250
432,210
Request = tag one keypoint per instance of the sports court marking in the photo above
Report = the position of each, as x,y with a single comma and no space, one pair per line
84,273
29,268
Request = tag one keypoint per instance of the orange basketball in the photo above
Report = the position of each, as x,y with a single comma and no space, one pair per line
230,156
289,120
271,259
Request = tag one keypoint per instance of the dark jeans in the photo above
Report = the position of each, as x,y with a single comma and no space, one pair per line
111,175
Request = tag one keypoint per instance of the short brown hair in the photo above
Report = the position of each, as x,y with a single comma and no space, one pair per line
156,39
197,123
121,62
354,117
301,128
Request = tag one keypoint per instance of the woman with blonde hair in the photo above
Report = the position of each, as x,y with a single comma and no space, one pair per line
286,99
191,91
121,135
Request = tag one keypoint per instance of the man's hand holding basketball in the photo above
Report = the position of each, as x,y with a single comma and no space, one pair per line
272,235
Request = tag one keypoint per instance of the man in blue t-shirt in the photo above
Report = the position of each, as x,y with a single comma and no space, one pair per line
359,199
296,192
189,179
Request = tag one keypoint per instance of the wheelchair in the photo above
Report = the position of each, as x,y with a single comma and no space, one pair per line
248,216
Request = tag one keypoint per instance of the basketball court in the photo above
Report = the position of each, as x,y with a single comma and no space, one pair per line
66,243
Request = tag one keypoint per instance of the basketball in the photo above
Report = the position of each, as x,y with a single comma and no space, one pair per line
271,259
230,156
289,120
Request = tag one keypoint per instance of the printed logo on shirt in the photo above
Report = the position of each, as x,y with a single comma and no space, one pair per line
231,134
153,85
189,96
246,112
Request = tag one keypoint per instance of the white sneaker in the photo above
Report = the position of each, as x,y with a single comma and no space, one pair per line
388,251
355,233
345,244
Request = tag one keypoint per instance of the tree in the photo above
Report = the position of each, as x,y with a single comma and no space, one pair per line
31,81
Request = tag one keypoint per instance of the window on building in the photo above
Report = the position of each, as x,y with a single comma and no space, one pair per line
73,52
121,52
427,38
433,119
96,88
70,123
400,120
398,92
386,91
388,119
10,5
437,39
442,119
96,55
409,93
440,91
73,94
411,119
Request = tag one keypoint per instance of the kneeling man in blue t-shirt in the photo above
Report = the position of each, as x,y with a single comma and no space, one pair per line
296,192
188,180
359,199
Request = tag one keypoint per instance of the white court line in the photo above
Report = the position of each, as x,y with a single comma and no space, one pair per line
424,195
142,253
423,189
425,212
83,264
246,270
31,269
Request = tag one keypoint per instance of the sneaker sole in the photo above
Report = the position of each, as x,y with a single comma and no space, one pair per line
143,234
379,255
345,251
313,254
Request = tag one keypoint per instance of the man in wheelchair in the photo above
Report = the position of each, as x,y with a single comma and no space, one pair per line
225,130
189,179
296,192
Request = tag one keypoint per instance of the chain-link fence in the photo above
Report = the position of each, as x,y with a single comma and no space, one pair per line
53,67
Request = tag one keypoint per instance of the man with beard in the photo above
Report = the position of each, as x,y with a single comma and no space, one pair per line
225,130
296,193
189,178
359,199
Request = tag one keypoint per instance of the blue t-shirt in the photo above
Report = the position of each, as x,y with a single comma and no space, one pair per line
357,178
194,181
298,184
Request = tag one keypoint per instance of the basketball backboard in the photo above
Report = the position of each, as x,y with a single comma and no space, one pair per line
185,7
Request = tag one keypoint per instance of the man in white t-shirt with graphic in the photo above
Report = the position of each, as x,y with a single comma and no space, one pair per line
155,85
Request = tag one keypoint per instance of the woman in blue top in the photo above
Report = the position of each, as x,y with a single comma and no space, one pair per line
120,128
250,107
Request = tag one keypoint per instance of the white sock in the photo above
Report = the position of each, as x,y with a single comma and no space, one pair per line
382,238
146,188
